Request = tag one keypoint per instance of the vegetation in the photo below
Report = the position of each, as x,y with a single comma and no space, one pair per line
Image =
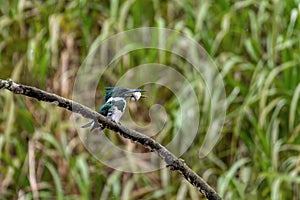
255,45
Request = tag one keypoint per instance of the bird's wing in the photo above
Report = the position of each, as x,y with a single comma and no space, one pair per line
111,109
104,109
117,107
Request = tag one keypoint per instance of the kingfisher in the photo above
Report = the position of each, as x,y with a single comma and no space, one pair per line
115,103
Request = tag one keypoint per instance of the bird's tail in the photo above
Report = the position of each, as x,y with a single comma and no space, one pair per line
93,124
87,125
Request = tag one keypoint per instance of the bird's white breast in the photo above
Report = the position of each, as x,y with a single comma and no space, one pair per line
117,114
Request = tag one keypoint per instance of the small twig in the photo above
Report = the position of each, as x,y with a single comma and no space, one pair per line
173,163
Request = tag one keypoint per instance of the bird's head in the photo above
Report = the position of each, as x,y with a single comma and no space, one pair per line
133,94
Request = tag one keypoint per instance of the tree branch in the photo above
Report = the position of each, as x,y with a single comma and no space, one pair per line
173,163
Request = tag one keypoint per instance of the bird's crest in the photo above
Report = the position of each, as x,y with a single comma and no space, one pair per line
108,93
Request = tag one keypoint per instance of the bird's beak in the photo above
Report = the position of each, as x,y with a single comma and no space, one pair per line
144,96
139,90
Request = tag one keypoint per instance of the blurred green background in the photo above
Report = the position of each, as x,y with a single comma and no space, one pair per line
256,46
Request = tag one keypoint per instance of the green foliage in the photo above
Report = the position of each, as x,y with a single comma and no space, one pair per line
255,45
